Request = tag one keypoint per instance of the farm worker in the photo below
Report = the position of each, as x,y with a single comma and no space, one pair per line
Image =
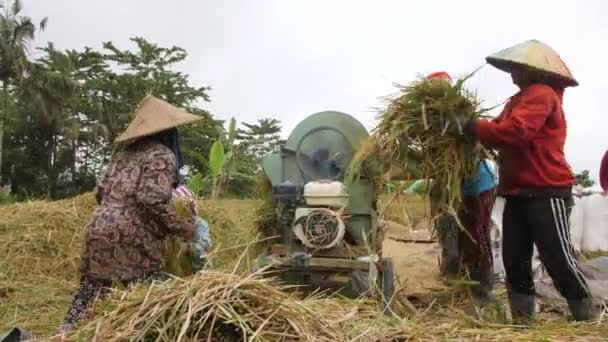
535,177
469,251
475,244
124,240
604,173
445,225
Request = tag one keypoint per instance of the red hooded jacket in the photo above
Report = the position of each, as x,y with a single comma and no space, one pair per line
530,134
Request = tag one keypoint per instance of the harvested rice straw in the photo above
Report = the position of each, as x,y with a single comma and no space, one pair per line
420,133
266,219
41,242
177,252
211,306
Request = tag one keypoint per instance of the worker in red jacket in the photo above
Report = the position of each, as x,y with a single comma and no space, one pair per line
535,178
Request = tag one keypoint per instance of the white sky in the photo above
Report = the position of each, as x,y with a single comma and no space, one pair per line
291,58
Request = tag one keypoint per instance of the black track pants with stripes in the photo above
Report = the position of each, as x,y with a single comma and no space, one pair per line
544,222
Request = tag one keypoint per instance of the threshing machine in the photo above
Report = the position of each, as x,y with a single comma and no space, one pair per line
329,236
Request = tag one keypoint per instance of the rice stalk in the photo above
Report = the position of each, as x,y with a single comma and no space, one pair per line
420,133
211,306
266,219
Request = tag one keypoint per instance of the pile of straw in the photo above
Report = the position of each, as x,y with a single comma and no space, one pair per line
210,306
420,133
41,243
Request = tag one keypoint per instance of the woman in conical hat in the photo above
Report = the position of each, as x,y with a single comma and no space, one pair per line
124,241
535,177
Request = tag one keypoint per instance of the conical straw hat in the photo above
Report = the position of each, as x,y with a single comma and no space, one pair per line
533,54
154,115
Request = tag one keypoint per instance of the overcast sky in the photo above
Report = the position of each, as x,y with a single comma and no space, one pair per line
291,58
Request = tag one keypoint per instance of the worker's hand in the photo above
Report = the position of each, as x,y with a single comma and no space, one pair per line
468,129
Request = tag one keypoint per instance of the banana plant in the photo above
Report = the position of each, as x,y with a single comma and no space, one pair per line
195,184
217,159
222,158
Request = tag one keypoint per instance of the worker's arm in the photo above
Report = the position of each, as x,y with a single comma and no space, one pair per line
526,118
154,194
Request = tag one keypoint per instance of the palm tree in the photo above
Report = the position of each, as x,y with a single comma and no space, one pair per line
16,32
262,137
51,87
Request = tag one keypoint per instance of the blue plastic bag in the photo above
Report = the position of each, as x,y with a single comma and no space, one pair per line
200,248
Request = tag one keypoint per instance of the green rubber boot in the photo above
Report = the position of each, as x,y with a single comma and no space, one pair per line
522,308
582,310
482,293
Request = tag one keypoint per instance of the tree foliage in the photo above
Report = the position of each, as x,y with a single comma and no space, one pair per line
261,138
16,32
583,179
71,105
62,112
68,106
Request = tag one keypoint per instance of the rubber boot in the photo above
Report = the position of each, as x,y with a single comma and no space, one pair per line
450,267
522,308
450,256
482,293
17,335
582,310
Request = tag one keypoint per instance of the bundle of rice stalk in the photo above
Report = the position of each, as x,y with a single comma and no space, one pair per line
420,134
266,218
211,306
177,252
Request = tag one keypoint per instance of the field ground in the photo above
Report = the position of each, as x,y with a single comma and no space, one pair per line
40,244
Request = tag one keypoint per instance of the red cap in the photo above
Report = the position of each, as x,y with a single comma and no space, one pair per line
439,74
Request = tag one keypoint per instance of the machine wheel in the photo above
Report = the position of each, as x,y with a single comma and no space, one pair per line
388,282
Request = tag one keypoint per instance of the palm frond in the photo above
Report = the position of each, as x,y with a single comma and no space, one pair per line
43,23
23,32
17,7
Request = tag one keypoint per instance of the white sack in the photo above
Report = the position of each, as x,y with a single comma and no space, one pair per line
496,236
577,223
595,231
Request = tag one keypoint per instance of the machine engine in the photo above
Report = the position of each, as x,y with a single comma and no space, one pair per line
319,225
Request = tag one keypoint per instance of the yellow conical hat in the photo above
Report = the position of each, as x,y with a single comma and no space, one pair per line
154,115
533,54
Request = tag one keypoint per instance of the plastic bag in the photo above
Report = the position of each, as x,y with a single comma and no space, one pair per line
496,237
200,248
577,224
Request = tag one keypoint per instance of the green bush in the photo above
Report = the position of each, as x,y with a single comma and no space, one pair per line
6,198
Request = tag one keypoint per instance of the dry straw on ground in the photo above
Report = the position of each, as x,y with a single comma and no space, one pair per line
40,243
211,306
